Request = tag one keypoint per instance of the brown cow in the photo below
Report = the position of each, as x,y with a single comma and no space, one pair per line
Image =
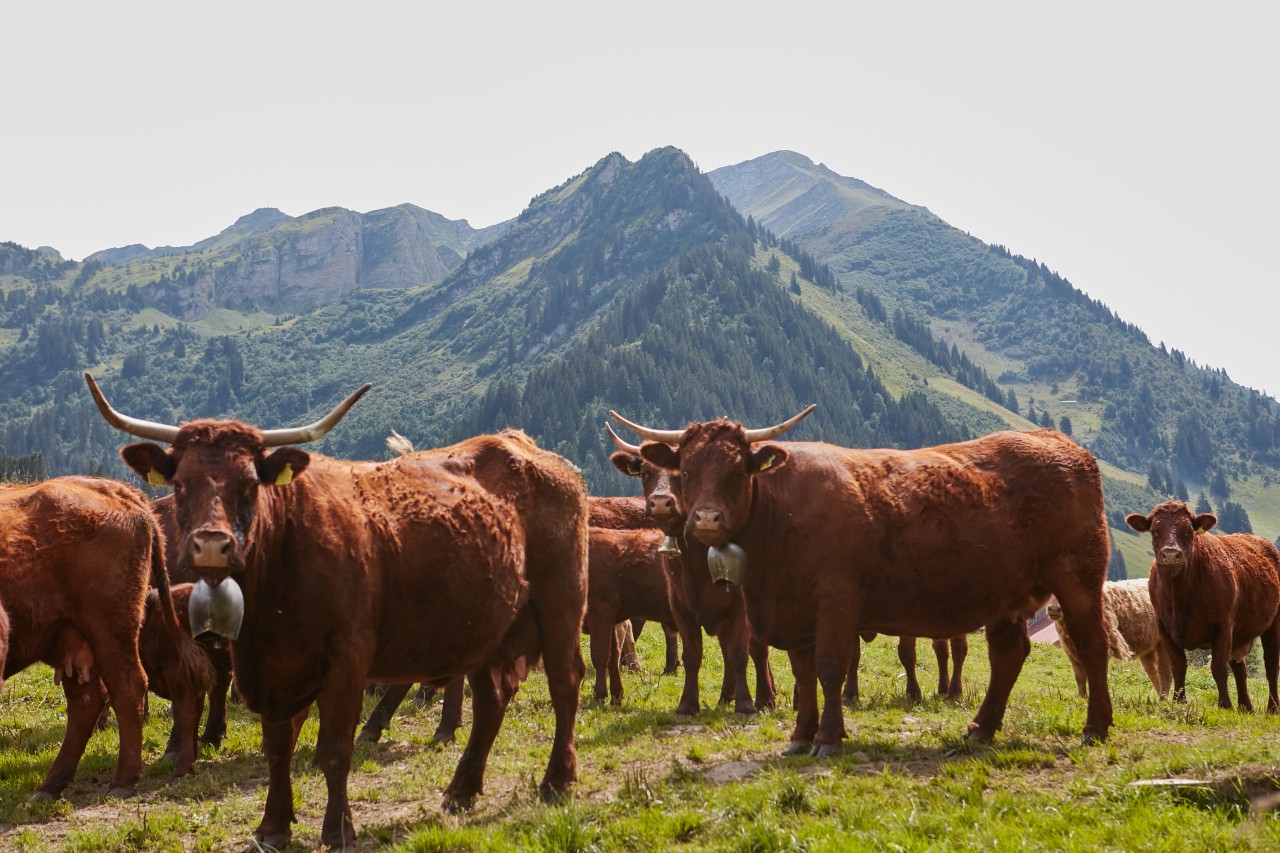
1213,592
169,678
76,554
626,582
696,602
933,542
470,559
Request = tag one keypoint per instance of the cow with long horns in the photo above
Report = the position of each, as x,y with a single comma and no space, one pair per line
696,603
933,543
469,559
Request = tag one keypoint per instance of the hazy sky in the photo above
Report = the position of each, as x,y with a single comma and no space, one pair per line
1132,147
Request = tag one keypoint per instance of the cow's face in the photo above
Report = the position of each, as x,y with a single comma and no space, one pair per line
658,485
715,467
1173,530
216,470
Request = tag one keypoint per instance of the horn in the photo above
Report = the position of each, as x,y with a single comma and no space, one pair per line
133,426
633,449
301,435
754,435
666,436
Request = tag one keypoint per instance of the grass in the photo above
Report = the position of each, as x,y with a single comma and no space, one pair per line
906,780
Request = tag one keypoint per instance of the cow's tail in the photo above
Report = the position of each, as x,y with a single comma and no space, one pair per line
1116,643
197,669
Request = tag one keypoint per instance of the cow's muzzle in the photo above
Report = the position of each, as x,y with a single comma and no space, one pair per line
708,525
211,549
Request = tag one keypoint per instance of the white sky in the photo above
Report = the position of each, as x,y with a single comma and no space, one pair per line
1132,147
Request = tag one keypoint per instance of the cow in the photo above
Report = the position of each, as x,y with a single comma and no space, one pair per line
1133,630
626,581
933,542
950,685
469,559
168,678
696,602
1214,592
76,558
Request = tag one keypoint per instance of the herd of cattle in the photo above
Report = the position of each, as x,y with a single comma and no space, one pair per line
487,558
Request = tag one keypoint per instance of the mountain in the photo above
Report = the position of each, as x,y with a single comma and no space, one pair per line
269,261
647,287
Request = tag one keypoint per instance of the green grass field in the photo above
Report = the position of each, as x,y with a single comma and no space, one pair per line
907,779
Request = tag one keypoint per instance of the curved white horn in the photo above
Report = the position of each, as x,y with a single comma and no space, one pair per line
666,436
133,426
754,435
620,444
301,435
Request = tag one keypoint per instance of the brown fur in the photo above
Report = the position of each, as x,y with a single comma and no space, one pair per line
469,559
76,555
697,604
934,542
1214,592
1132,630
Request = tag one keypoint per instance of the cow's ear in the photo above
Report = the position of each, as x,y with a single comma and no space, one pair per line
149,461
662,455
1140,523
627,463
768,457
281,467
1205,521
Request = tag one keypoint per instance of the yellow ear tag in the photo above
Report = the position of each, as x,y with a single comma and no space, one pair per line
767,463
634,469
1199,530
285,477
155,478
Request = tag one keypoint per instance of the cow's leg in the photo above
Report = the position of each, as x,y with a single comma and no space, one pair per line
734,640
907,657
672,662
215,728
126,685
1177,663
339,713
691,656
627,632
803,667
85,702
942,654
1164,665
831,662
380,717
491,690
1219,664
450,711
559,626
614,663
1241,673
959,651
1150,660
601,630
1271,663
766,690
1007,648
1082,681
1082,615
426,693
278,741
850,693
187,707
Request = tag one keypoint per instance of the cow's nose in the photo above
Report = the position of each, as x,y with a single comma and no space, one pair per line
706,518
662,505
211,548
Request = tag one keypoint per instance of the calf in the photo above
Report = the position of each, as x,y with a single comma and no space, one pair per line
1132,629
1214,592
625,581
169,678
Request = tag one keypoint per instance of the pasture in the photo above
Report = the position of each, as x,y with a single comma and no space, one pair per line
907,779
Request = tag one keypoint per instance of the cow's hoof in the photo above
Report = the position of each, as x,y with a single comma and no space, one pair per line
269,841
457,805
687,711
214,741
979,734
552,795
42,797
825,750
798,747
169,756
369,735
119,793
747,709
441,737
1090,737
615,700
